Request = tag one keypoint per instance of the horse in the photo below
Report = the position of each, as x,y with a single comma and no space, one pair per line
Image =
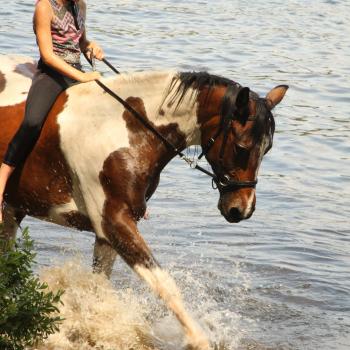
96,165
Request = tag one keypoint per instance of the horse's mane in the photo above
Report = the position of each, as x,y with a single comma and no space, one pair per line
196,81
184,81
181,83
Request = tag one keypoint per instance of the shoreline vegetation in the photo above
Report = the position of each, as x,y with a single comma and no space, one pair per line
66,306
29,311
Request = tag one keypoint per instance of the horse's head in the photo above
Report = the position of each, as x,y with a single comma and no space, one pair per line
234,144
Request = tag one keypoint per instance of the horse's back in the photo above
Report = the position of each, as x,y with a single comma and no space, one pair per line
45,172
83,133
16,74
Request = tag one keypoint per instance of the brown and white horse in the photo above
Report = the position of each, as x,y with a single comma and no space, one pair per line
95,165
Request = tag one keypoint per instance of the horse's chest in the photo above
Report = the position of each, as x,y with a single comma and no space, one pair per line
89,134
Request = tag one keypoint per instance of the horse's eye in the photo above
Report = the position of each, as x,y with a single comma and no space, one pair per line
241,148
241,151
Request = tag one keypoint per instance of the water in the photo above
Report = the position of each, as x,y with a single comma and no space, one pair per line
280,280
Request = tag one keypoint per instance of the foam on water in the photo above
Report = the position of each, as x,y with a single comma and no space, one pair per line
161,282
96,316
99,316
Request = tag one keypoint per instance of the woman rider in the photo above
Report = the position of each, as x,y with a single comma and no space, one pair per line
59,26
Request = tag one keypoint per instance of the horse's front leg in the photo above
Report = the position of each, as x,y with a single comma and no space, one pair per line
104,257
121,231
12,219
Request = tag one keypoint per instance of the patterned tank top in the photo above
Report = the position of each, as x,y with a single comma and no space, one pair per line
65,35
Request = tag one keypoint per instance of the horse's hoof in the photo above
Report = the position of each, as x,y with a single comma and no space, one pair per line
198,342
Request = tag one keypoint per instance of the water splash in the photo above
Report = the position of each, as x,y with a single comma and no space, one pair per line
97,316
161,282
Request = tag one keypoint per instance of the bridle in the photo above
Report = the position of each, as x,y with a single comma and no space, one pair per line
224,182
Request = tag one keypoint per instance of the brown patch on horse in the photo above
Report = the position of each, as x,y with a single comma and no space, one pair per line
127,188
77,220
44,180
11,116
2,82
209,103
26,69
143,152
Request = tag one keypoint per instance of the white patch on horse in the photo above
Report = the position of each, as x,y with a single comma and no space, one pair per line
261,151
17,84
249,203
153,88
185,115
105,131
86,148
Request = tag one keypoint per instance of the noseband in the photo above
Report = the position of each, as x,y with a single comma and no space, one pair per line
225,182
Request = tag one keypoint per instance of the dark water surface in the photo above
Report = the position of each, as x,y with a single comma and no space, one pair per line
280,280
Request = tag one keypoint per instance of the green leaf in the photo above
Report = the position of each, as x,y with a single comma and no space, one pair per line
28,310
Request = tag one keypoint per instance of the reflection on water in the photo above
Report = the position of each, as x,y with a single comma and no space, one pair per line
291,290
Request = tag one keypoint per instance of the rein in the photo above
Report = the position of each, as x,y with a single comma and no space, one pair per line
225,183
144,122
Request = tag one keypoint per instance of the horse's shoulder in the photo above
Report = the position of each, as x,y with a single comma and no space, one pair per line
16,74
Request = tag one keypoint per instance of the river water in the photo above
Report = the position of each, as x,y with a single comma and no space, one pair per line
280,280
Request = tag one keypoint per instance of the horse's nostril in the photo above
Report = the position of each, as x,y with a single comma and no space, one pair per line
235,214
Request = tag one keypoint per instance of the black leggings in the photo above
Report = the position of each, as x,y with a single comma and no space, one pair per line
46,86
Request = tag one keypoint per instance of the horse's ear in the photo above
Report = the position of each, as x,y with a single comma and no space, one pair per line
275,96
242,99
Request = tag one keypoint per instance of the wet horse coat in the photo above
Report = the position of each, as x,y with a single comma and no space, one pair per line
95,165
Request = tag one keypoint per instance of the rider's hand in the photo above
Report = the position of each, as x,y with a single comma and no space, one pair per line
89,76
96,49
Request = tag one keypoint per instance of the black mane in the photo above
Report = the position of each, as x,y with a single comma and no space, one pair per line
184,81
201,79
197,81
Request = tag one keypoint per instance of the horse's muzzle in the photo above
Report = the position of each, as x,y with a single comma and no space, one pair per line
234,215
235,210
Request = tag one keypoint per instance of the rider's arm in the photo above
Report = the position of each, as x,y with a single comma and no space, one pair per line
85,44
43,16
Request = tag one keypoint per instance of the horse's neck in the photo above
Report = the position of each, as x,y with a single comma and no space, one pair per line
94,123
153,89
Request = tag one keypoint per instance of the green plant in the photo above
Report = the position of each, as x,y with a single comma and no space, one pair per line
28,311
